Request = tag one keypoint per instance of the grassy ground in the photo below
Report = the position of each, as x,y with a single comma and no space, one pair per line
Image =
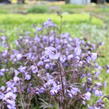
12,25
81,21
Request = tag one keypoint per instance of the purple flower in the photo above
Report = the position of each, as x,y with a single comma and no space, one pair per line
34,69
40,90
2,88
107,71
39,29
62,59
16,72
98,93
16,79
97,73
1,95
50,82
87,96
73,92
105,84
77,51
40,63
10,99
2,71
55,89
3,38
88,59
49,23
47,66
18,56
5,53
94,56
70,56
52,53
11,106
52,38
22,69
27,77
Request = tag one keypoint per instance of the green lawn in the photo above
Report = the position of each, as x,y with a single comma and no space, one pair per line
13,24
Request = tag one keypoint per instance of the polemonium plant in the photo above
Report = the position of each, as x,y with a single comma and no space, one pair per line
50,70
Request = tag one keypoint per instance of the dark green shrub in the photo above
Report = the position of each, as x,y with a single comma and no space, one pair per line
38,9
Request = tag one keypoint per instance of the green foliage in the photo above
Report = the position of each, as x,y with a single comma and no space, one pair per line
3,11
14,25
1,48
38,18
104,9
72,6
38,9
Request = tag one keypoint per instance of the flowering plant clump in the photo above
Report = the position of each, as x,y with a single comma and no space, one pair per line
49,70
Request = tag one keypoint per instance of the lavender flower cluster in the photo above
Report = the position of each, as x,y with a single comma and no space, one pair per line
54,67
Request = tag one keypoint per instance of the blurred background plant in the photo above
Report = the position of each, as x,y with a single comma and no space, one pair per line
38,9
